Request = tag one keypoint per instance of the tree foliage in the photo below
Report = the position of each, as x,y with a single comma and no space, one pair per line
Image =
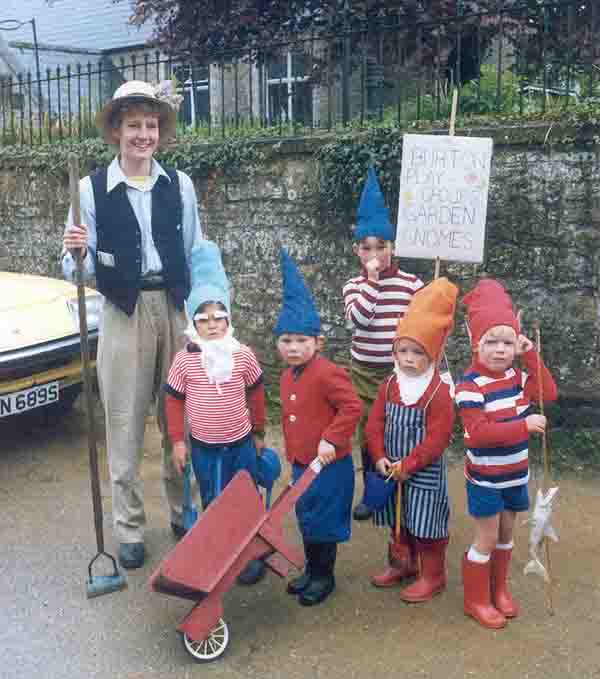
547,32
195,29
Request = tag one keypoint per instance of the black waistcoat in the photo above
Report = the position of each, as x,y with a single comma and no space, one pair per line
119,237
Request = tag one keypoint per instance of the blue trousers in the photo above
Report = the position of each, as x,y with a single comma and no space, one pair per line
215,466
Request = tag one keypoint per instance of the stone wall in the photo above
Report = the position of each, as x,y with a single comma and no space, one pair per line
543,241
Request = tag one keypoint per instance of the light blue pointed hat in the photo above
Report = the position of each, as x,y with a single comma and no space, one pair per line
208,278
373,217
298,313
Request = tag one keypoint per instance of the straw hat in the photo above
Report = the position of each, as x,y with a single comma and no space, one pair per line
135,91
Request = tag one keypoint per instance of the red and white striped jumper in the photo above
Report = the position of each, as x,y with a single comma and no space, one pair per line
215,415
373,308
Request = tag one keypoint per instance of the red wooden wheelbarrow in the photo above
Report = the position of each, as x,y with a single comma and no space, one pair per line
206,562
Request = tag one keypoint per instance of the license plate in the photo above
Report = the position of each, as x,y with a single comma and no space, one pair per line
20,401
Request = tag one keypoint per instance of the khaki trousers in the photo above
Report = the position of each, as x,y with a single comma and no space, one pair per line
134,356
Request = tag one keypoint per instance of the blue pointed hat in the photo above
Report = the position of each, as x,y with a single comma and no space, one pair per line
208,278
373,217
298,313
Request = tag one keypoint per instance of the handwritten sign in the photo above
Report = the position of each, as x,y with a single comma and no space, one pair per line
443,197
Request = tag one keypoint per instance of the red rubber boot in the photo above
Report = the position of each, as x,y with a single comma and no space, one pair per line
402,562
432,572
477,596
501,597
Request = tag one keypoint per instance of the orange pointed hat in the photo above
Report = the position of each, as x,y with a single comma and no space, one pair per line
429,318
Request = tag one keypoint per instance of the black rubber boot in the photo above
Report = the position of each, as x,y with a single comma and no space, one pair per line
322,581
361,511
299,584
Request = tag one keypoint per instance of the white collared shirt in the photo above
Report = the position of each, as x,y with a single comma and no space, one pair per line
141,202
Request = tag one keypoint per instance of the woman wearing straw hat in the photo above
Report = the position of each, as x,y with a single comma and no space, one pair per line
139,224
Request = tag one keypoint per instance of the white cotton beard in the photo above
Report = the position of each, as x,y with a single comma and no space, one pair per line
217,355
412,388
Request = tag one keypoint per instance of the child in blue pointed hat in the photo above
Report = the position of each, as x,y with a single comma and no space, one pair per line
215,383
319,413
373,302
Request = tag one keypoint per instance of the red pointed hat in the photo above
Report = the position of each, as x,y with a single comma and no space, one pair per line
488,305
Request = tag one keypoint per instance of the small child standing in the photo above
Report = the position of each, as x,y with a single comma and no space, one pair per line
217,384
409,427
319,413
494,404
373,303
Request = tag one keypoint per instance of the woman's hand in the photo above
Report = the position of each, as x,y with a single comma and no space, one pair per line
75,239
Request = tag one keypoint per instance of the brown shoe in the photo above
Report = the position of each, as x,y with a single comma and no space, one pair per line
477,595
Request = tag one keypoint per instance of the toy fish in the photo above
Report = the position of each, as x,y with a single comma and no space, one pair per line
540,529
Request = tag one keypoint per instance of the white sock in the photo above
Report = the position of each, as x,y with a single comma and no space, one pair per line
477,557
505,546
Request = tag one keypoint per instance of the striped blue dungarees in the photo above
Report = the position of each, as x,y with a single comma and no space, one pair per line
425,508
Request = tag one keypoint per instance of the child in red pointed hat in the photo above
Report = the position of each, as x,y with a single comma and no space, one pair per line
408,430
494,403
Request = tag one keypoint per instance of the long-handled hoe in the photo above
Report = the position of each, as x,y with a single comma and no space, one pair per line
97,585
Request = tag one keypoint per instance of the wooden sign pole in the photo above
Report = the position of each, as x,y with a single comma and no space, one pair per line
451,130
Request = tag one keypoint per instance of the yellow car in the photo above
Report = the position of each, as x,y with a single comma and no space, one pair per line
40,363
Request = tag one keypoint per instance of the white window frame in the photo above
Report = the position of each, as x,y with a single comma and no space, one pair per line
188,86
288,80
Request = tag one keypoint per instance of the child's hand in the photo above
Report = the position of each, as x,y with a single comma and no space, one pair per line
372,267
383,466
397,473
524,344
179,456
536,424
326,452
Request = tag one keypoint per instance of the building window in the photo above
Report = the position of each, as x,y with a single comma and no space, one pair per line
289,94
192,83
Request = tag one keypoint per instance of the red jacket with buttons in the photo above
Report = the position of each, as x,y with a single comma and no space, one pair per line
317,402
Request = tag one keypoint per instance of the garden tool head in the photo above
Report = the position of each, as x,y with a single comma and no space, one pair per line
97,585
268,471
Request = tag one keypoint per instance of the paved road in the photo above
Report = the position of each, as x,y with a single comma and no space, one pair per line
49,629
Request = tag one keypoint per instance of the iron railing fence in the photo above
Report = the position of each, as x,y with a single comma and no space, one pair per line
524,57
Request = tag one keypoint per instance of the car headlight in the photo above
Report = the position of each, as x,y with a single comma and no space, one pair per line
93,310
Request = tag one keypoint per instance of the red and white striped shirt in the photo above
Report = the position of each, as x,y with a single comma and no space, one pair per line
214,417
373,308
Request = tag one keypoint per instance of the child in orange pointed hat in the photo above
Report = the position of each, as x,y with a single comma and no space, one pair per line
408,430
494,400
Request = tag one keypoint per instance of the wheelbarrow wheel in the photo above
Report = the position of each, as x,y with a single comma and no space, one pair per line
212,647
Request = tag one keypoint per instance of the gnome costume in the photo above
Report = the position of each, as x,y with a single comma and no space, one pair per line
372,308
493,406
317,402
411,421
218,384
373,216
